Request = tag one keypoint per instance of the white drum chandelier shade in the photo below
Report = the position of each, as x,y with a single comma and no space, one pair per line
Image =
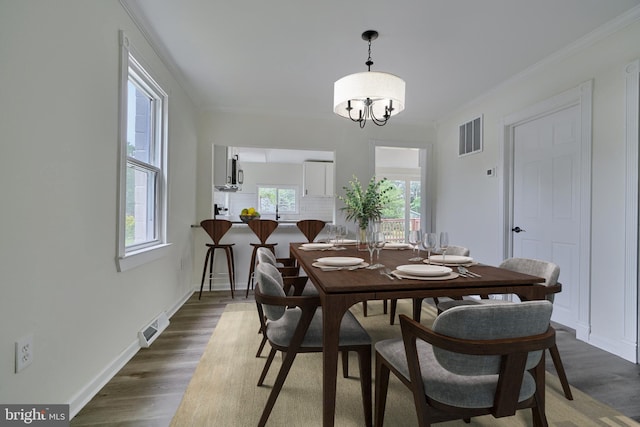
370,95
380,88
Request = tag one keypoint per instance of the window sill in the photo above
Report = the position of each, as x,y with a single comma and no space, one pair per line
144,256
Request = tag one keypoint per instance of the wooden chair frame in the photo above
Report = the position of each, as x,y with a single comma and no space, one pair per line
311,228
513,351
216,229
308,305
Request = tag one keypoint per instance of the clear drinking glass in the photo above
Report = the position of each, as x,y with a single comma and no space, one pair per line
444,244
371,246
429,244
380,240
331,233
341,233
415,237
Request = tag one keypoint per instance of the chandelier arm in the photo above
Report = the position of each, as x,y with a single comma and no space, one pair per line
349,108
386,116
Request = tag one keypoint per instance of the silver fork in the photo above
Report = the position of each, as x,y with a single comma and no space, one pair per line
466,273
387,272
392,274
463,272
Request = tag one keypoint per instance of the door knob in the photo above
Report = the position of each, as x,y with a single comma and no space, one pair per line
517,229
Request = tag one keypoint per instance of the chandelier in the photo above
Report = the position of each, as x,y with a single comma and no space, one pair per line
370,95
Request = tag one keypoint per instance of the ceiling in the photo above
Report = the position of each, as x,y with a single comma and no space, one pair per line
283,56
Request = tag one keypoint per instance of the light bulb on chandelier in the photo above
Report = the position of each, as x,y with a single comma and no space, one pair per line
370,95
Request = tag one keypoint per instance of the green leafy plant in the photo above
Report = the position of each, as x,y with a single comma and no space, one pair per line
362,205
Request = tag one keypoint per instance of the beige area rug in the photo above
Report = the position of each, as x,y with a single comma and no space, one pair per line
223,391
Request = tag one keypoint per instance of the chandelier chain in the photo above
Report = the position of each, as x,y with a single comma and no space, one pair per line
369,62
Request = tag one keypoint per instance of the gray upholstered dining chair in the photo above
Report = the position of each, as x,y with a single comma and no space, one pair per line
533,267
290,280
476,360
451,250
294,325
287,266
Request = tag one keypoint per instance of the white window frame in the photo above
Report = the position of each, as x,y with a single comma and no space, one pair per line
129,257
279,187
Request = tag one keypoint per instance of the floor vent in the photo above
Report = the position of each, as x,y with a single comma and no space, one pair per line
151,332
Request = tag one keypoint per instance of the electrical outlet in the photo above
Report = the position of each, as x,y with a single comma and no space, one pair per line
24,352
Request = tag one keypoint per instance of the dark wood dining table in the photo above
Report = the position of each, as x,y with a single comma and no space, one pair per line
340,289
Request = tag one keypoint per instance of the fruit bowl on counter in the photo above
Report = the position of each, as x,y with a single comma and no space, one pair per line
247,218
248,214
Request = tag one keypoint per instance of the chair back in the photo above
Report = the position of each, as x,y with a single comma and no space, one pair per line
216,228
263,228
489,322
311,228
270,282
264,255
534,267
457,250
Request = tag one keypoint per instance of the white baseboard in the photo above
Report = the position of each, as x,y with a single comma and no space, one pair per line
87,393
623,349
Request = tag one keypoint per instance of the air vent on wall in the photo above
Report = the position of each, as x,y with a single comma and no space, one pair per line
150,333
470,137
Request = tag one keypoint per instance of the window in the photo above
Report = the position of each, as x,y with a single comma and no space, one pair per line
470,137
143,133
282,197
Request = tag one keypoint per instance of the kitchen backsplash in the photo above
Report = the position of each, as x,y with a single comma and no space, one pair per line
310,207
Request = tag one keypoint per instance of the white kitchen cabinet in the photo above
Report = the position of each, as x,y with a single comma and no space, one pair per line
318,179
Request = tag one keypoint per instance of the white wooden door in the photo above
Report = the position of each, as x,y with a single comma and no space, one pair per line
546,209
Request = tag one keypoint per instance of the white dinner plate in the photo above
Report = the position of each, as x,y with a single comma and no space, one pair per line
451,259
317,245
390,245
340,261
424,270
345,241
402,275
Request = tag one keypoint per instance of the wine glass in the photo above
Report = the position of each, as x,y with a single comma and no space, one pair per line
429,244
415,237
379,240
341,232
331,233
371,246
444,244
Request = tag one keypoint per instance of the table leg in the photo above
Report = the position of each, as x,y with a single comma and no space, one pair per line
417,308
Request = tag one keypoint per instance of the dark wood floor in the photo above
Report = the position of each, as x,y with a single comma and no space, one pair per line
148,390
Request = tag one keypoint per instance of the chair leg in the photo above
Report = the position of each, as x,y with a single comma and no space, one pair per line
364,308
382,384
252,266
277,386
562,376
261,318
392,316
233,269
228,252
364,361
204,271
345,363
267,365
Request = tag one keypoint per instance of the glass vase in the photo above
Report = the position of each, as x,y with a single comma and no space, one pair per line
362,240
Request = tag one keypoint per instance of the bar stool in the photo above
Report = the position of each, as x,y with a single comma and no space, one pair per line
310,228
216,228
262,228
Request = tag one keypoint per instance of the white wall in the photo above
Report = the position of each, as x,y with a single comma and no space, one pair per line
58,170
605,63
